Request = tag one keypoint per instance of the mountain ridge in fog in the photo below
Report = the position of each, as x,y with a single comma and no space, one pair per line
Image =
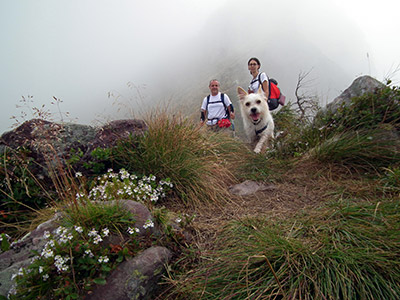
287,44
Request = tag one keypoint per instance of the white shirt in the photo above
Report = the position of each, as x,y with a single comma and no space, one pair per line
254,84
215,109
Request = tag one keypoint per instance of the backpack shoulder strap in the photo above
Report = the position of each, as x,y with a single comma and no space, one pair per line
208,101
223,99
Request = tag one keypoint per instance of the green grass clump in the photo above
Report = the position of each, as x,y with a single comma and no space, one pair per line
199,163
345,252
362,149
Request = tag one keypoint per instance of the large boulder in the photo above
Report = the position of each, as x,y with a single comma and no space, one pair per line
53,142
136,278
360,86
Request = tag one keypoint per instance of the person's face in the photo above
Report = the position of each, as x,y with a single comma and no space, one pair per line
214,87
253,66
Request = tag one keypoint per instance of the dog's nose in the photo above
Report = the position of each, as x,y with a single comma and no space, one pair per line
254,110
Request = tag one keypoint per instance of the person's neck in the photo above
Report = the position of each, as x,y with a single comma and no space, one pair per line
255,74
214,94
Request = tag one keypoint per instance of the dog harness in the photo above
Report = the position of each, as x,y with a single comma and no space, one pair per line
261,130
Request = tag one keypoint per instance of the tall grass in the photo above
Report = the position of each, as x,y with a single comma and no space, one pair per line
362,149
199,163
345,252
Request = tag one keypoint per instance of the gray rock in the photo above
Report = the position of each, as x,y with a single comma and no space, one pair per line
54,143
136,278
359,87
21,253
249,187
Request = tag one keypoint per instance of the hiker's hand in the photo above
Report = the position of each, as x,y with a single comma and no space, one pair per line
232,115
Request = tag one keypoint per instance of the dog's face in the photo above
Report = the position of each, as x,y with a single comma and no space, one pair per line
254,106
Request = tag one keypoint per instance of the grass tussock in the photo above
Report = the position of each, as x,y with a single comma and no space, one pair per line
199,163
362,150
345,252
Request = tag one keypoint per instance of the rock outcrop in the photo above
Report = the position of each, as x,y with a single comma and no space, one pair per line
47,141
360,86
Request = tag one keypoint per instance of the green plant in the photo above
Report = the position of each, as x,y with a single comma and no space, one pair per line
369,111
4,242
391,180
344,252
362,149
21,192
79,253
200,164
72,261
101,158
122,185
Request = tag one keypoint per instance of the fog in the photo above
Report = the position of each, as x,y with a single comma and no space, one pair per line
111,59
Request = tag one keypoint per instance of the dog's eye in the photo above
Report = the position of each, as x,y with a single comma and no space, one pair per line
247,104
258,101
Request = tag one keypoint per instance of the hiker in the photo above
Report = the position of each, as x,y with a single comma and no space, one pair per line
260,77
217,109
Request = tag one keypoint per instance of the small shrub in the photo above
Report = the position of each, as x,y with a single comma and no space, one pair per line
122,185
363,150
200,164
71,263
21,192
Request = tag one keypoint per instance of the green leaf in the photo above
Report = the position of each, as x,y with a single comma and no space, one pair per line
106,268
100,281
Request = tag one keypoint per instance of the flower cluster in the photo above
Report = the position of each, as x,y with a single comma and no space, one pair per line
122,185
65,248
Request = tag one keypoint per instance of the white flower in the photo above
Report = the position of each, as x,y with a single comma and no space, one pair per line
130,230
97,239
40,269
60,263
78,174
46,234
137,230
105,232
92,233
46,253
61,230
78,229
178,220
104,259
89,253
45,277
148,224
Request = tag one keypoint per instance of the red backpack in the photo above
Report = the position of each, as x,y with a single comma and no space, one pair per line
275,93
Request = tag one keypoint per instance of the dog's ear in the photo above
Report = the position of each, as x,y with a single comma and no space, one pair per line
241,92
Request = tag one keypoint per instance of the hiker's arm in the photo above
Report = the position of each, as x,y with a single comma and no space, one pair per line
231,112
202,117
265,87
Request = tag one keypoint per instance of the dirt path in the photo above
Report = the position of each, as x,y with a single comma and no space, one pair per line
303,188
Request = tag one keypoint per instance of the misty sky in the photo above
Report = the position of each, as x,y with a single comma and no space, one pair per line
83,51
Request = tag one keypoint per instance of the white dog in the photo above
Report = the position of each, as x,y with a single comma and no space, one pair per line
257,119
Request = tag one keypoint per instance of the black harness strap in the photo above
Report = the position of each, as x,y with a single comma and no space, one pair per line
261,130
